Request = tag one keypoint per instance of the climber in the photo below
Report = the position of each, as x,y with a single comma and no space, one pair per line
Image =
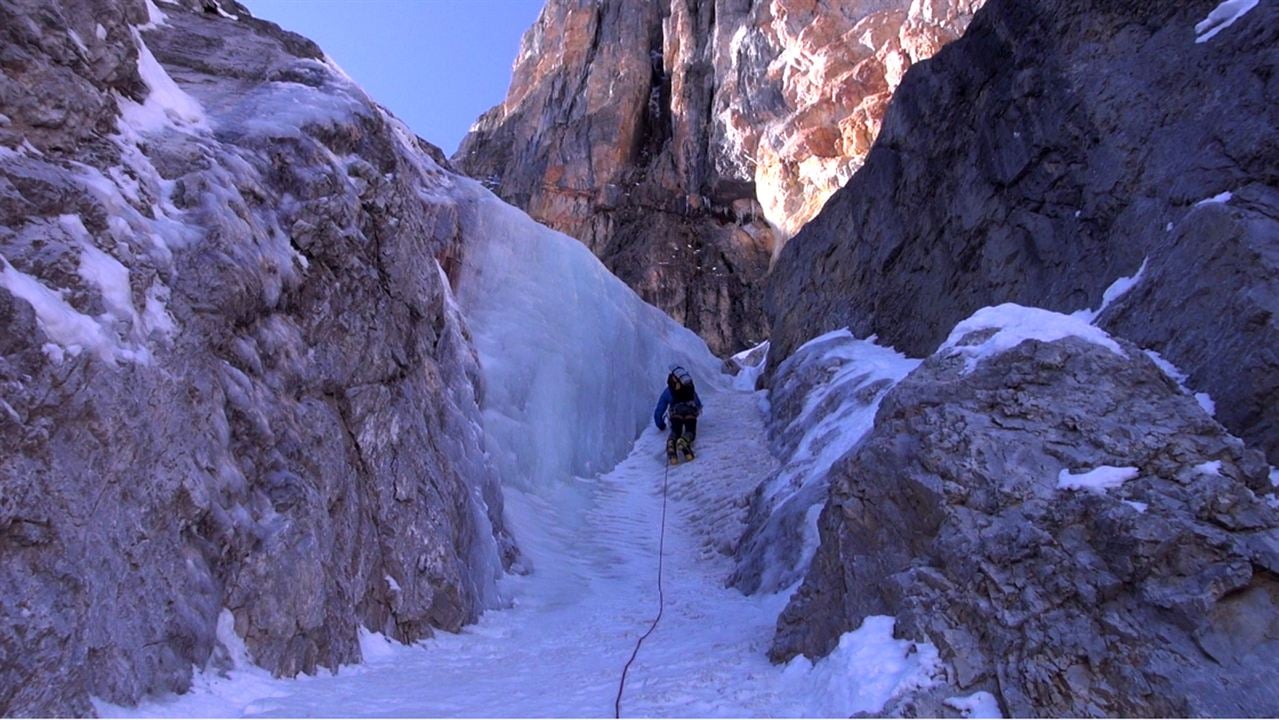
684,405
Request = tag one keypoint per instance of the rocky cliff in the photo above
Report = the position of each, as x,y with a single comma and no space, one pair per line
1053,148
1056,502
1065,523
232,381
683,141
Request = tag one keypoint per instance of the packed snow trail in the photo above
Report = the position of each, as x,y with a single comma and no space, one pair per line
560,648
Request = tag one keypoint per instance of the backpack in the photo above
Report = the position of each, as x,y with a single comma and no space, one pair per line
683,395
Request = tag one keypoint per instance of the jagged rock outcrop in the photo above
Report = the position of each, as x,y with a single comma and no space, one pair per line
230,372
684,140
1156,597
1053,148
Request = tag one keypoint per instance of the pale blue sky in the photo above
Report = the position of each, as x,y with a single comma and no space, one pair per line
436,64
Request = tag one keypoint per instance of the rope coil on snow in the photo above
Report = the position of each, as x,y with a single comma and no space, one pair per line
661,600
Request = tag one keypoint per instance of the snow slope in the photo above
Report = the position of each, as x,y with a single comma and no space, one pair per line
559,650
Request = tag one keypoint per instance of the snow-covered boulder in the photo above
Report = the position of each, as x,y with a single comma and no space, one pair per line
1064,521
231,373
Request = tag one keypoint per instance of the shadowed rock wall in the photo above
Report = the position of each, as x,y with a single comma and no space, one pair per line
1052,149
231,379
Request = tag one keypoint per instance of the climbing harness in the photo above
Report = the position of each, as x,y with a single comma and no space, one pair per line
661,600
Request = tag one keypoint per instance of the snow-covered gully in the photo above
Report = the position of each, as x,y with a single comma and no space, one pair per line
559,648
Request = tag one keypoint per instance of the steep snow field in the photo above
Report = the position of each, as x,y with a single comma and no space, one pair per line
559,649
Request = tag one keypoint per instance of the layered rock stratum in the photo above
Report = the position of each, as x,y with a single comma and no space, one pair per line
683,141
235,395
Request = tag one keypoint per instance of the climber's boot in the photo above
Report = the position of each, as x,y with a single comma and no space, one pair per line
685,446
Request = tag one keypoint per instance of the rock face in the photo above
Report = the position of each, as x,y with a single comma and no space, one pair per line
683,141
230,372
1220,268
1053,148
1156,597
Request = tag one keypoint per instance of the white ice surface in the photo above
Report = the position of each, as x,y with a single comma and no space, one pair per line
1099,479
1222,17
746,378
559,651
1014,324
573,360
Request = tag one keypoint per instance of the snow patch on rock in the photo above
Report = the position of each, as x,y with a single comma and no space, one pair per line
1218,199
1213,467
978,705
71,330
1117,289
118,334
1222,17
1014,324
166,105
1098,480
1140,507
879,666
1176,375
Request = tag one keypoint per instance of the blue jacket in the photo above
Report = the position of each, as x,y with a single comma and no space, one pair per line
665,402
